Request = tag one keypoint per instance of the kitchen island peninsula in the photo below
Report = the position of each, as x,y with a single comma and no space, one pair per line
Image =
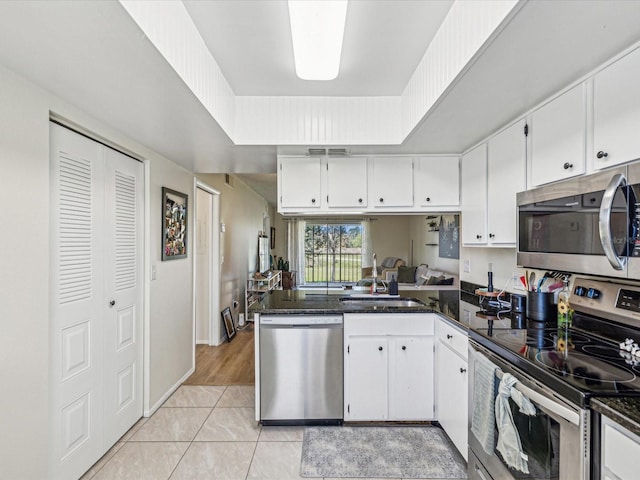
334,358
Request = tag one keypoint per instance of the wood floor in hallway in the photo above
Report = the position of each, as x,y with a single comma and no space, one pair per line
231,363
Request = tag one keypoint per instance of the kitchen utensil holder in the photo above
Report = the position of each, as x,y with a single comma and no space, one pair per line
541,306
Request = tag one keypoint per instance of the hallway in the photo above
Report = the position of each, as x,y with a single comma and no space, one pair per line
231,363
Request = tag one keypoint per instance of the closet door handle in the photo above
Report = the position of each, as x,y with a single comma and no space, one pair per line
463,370
112,303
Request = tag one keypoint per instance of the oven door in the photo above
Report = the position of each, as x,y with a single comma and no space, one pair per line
582,225
555,439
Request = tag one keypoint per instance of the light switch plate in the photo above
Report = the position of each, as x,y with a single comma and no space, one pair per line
467,266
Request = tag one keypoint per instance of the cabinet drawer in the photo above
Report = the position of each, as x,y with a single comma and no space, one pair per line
389,323
454,337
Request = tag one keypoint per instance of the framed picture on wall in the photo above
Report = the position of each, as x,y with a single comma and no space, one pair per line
449,237
174,224
229,326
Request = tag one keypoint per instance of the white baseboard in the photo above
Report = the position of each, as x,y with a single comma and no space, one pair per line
158,404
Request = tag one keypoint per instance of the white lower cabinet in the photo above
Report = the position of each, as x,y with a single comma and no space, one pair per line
411,377
452,384
367,378
389,367
620,448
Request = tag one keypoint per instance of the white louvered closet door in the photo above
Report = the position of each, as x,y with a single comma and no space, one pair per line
95,379
123,277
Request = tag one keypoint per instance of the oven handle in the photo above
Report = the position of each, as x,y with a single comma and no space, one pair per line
554,407
604,222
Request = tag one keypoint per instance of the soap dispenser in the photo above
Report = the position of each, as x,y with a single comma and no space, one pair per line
393,286
565,312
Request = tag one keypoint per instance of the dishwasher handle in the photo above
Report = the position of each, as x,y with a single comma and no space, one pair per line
301,321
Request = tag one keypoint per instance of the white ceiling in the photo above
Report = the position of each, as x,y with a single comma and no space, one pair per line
383,43
94,56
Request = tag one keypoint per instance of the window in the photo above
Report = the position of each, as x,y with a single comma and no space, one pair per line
332,253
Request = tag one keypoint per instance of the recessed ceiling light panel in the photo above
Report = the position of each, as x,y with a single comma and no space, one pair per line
317,30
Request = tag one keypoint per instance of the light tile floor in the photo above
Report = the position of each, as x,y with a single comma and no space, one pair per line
204,432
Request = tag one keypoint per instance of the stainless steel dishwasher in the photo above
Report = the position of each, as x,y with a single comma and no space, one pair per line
301,373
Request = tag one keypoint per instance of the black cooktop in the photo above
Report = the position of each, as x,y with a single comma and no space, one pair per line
578,363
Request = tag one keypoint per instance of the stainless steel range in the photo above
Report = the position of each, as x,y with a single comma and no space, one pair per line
559,371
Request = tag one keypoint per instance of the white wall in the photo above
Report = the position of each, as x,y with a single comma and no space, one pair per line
423,250
242,211
390,235
171,328
24,283
503,262
24,279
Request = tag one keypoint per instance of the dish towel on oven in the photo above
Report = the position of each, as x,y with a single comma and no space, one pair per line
509,444
483,420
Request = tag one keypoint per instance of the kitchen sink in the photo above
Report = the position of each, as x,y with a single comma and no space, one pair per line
382,301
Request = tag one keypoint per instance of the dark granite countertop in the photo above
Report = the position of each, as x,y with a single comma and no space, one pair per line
622,410
443,301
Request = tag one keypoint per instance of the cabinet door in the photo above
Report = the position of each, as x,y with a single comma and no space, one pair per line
451,396
366,378
299,182
473,203
437,181
347,182
619,445
616,109
411,378
558,138
392,182
506,176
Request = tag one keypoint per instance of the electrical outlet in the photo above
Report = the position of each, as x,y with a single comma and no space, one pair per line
467,266
517,284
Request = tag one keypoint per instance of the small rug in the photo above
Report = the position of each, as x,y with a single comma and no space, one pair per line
380,452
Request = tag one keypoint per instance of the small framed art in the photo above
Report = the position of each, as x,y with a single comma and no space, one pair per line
229,326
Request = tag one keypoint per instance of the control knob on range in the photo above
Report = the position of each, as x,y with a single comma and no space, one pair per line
587,292
593,293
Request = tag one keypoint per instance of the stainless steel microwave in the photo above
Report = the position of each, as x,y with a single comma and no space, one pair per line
585,225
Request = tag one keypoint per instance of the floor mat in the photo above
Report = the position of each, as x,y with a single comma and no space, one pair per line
380,452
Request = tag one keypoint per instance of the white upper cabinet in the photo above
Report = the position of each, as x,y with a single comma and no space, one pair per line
616,111
392,182
507,159
473,202
437,181
492,174
299,180
557,133
360,184
347,182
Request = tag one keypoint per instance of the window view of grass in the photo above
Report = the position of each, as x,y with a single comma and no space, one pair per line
333,253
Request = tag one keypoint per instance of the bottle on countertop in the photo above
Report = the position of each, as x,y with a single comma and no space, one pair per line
393,286
280,263
565,312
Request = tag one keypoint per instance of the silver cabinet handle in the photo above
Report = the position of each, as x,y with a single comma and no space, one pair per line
604,222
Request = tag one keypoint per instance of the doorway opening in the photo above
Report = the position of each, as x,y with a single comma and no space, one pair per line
207,329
